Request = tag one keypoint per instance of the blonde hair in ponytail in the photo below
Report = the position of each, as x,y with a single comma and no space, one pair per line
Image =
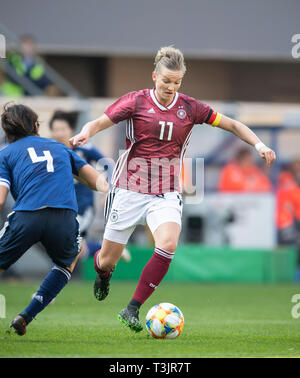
171,58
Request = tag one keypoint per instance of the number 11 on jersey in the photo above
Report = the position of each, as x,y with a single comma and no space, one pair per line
162,130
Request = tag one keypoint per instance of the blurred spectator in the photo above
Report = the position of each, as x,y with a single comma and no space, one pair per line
25,64
285,207
295,170
288,206
243,175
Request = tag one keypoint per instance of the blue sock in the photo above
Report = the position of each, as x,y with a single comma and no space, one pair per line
53,283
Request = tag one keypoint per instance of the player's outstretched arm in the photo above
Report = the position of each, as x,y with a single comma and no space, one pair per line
3,195
94,180
90,129
248,136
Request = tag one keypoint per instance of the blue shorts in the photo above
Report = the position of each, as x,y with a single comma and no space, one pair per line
56,229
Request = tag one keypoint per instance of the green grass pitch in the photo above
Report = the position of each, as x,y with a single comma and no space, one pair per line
221,320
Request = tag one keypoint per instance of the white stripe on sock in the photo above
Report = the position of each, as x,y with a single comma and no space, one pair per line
164,253
63,270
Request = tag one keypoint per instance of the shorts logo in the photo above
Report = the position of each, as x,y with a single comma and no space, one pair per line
79,242
114,216
181,113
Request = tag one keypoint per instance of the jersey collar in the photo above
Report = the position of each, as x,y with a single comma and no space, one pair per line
159,105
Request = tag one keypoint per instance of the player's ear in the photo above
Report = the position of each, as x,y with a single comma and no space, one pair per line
154,76
36,126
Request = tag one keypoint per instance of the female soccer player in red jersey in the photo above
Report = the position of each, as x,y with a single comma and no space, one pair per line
146,179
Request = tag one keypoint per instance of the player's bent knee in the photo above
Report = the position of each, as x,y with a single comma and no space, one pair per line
169,245
110,254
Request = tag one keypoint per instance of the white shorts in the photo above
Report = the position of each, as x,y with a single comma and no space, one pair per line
125,209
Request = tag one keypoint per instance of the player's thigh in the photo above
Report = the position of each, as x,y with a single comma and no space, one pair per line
20,231
124,209
114,242
118,236
61,236
166,236
164,221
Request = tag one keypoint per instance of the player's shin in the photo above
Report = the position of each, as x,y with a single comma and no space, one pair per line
103,272
102,281
105,261
153,273
53,283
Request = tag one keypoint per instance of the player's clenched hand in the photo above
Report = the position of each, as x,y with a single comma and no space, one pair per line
80,139
267,154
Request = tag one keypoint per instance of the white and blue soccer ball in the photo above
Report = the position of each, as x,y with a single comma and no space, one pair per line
164,321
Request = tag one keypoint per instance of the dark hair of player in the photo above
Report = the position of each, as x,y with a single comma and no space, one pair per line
69,117
18,121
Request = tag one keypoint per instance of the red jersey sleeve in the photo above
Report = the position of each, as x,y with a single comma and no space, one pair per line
205,114
201,112
123,108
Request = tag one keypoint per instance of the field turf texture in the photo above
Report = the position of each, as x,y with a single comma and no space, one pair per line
221,320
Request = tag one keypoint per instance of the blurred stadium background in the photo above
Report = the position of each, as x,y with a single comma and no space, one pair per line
239,60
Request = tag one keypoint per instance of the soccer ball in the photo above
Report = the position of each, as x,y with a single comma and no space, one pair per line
164,321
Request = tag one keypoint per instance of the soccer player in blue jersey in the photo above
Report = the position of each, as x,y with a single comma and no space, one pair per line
62,126
39,173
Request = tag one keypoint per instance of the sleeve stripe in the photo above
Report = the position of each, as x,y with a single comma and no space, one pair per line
4,180
209,115
213,118
217,120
